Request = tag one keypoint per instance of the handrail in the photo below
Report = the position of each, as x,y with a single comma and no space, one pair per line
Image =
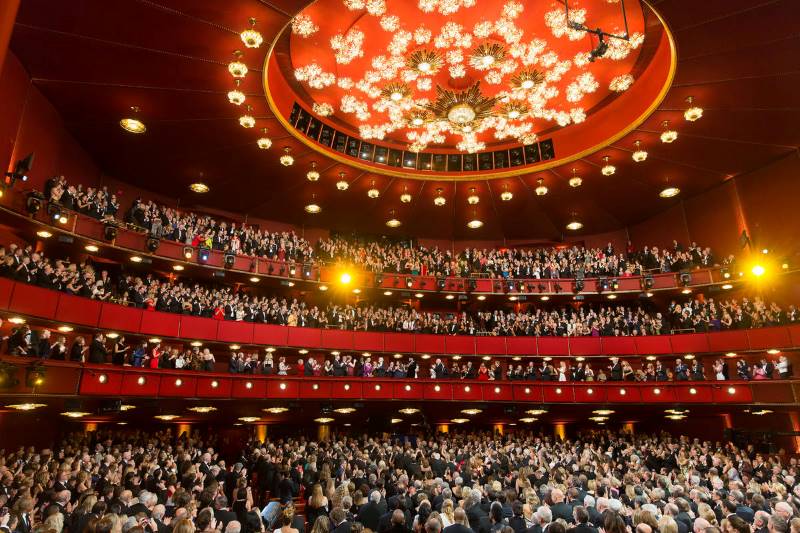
129,240
52,305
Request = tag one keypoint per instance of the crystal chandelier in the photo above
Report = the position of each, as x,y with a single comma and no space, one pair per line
540,190
236,97
669,192
575,180
342,184
639,154
313,175
286,159
373,192
405,197
693,112
506,195
264,142
668,135
236,68
574,225
475,223
439,200
473,198
608,169
393,222
247,120
313,208
250,37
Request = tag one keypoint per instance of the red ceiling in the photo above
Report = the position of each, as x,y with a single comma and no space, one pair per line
736,57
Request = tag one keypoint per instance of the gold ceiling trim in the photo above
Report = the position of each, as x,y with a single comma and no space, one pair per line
478,175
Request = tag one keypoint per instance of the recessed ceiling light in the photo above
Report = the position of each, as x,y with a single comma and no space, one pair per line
177,267
26,406
669,192
574,225
312,209
199,188
91,248
44,234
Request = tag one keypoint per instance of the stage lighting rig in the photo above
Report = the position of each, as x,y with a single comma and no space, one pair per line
34,203
602,45
20,172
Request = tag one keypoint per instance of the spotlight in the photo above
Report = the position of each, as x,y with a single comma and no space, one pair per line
34,202
409,282
20,171
686,278
510,286
648,282
614,284
440,282
378,279
307,271
187,252
34,376
602,285
110,232
292,270
578,286
473,284
228,260
152,244
53,211
202,255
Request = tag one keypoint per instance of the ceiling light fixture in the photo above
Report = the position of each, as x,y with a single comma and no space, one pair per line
323,420
132,124
473,198
373,192
668,136
574,225
439,200
540,190
693,112
639,154
236,68
506,195
405,197
393,222
250,37
342,184
669,192
203,409
26,406
249,419
575,180
199,188
608,169
475,223
313,208
265,143
275,410
312,175
75,414
236,97
286,159
247,120
44,234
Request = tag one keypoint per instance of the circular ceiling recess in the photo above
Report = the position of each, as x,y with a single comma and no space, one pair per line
465,89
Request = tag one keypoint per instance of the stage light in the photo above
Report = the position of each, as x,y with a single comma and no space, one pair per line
152,244
578,285
758,270
34,202
686,278
345,278
187,252
409,282
110,232
228,260
203,254
440,283
34,376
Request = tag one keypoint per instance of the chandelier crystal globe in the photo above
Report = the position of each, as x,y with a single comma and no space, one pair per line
286,159
639,154
668,135
540,190
608,169
312,175
473,198
439,200
342,184
236,97
250,37
264,142
693,112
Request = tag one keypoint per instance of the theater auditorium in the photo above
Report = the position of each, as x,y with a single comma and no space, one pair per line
399,266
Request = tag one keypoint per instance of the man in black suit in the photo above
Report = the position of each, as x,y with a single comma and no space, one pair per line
459,524
582,524
477,515
517,521
398,523
222,512
340,522
558,507
97,350
615,370
594,512
369,515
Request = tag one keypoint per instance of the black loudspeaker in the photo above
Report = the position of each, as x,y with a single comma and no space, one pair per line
152,244
110,232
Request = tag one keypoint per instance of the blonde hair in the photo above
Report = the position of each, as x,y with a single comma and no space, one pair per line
447,510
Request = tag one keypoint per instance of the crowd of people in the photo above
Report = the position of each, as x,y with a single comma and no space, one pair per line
379,255
23,263
459,482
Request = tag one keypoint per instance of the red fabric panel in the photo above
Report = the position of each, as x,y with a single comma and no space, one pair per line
308,337
553,345
269,334
257,388
91,382
429,343
170,386
490,345
307,389
689,343
557,393
277,388
618,345
445,391
30,300
6,288
467,392
337,338
590,393
521,346
90,227
794,335
398,342
77,310
193,327
728,341
767,338
383,390
347,389
156,323
132,387
484,285
368,340
624,393
527,392
585,345
654,344
408,391
732,393
173,250
238,332
658,394
630,284
459,345
133,241
206,388
119,317
702,393
496,392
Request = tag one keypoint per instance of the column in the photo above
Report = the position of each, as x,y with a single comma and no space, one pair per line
8,15
560,430
498,429
443,428
323,432
261,432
